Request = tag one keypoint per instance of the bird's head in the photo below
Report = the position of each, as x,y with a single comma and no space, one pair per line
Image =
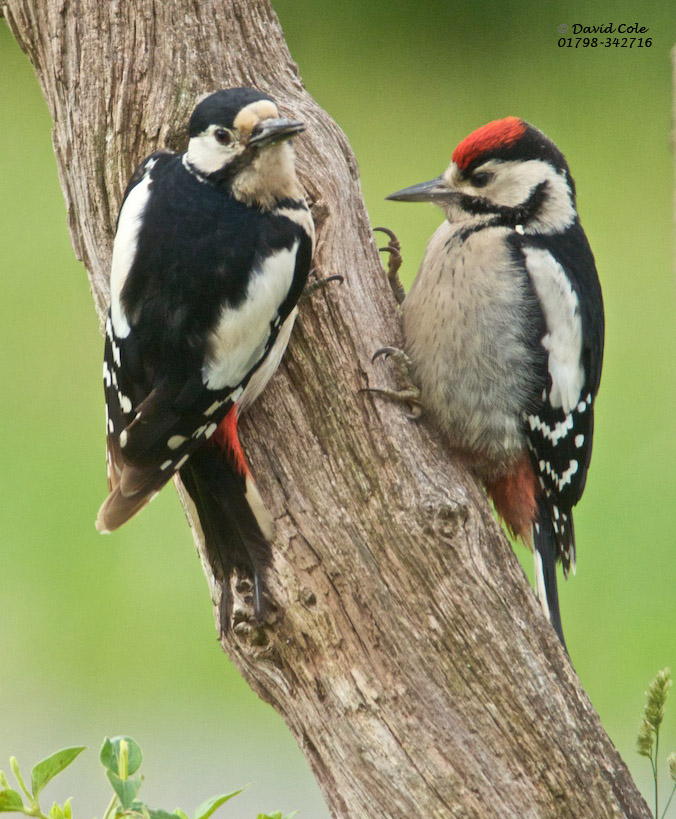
238,138
506,172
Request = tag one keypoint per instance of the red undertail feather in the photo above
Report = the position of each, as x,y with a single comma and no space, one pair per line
226,438
515,498
500,132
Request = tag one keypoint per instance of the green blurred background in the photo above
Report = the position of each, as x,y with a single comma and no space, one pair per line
105,636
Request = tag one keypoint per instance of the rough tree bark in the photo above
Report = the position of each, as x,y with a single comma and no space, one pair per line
407,654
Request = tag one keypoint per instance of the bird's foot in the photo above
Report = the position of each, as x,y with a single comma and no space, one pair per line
319,283
393,247
408,392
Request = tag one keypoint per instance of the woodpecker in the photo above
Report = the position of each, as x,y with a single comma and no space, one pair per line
211,254
504,331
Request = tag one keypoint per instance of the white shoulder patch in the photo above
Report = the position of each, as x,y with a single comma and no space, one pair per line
242,332
124,249
563,339
302,217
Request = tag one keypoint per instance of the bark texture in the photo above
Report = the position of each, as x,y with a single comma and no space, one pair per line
406,653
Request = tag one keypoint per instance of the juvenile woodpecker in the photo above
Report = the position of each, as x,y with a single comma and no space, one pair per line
211,254
504,331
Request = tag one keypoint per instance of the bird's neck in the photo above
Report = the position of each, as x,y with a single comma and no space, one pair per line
269,179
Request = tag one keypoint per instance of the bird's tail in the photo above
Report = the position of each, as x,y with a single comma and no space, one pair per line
546,548
236,526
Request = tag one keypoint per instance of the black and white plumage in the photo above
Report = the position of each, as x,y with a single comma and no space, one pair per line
212,251
504,327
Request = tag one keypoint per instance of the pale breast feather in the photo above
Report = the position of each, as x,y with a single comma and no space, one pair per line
241,336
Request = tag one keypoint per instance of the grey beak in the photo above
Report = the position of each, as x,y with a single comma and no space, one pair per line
433,191
269,131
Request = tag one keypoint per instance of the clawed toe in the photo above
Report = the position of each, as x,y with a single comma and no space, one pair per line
384,351
394,244
393,247
320,283
409,393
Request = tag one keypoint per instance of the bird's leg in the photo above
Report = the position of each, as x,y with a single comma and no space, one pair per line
408,393
393,247
319,283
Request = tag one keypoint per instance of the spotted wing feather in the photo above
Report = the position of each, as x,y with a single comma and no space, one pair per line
559,428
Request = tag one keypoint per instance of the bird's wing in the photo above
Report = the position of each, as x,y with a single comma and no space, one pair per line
559,428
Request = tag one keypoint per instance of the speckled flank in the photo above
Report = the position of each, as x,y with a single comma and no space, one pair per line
466,342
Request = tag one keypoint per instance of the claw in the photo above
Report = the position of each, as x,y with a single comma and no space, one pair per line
394,241
385,351
410,396
409,392
320,283
394,249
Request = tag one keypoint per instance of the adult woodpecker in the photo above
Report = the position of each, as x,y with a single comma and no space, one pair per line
211,254
504,331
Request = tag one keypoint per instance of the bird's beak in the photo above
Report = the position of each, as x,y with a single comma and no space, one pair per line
269,131
436,190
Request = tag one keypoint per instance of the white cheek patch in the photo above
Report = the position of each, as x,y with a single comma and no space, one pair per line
208,155
514,182
124,250
563,339
239,339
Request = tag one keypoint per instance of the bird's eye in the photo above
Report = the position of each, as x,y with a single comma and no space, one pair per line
223,136
481,179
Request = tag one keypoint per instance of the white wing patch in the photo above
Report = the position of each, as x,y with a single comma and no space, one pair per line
268,368
124,249
563,339
239,339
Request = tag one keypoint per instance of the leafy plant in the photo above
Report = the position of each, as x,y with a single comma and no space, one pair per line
648,741
121,758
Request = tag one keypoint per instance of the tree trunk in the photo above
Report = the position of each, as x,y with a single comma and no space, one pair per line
406,652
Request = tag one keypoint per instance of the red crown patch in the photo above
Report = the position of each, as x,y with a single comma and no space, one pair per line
496,134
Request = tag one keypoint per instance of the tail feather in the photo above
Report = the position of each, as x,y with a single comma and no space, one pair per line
236,527
545,551
118,509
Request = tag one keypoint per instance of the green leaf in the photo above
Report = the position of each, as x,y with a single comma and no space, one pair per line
10,801
136,808
126,789
180,813
277,815
56,812
161,814
205,810
53,765
110,755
